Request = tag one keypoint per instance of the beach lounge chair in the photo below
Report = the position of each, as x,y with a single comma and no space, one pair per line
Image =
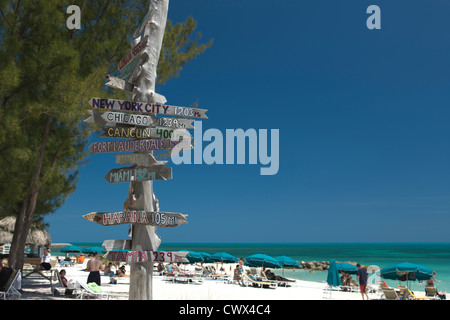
327,291
59,284
187,279
87,291
280,283
408,295
259,283
9,286
390,293
431,292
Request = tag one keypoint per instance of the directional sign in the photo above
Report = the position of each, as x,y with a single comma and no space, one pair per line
155,108
146,256
110,245
128,87
132,66
133,53
138,145
120,84
146,20
96,118
136,173
139,159
143,133
159,219
145,121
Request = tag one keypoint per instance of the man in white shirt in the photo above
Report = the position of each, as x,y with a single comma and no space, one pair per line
45,264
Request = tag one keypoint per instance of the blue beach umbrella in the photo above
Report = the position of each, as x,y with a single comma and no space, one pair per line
91,250
71,249
223,257
206,256
406,271
262,260
193,256
346,267
333,278
288,262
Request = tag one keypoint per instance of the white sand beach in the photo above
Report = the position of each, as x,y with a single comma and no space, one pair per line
36,287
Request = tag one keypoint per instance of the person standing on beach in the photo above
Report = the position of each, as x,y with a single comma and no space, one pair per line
362,277
241,270
94,266
46,257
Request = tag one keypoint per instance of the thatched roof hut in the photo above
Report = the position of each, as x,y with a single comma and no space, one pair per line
38,238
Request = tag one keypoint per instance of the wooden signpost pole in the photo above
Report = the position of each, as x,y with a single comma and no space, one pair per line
144,237
148,133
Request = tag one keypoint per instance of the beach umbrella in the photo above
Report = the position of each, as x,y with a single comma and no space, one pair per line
193,256
262,260
223,257
206,256
406,271
71,249
91,250
333,278
346,267
288,262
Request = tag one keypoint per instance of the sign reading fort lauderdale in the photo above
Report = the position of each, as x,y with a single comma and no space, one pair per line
159,219
138,145
121,105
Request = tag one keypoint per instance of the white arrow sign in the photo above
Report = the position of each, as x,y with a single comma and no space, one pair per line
160,219
141,120
114,245
139,159
141,107
146,256
140,132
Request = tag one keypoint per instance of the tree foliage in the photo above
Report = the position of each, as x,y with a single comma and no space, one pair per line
47,75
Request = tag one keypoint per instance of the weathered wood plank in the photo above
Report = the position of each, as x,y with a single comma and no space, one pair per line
110,245
146,256
138,145
139,173
142,107
133,53
159,219
128,87
144,22
145,121
133,66
143,133
139,159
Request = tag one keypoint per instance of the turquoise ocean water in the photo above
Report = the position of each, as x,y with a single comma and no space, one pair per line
435,256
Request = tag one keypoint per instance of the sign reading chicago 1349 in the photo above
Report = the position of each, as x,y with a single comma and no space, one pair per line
141,120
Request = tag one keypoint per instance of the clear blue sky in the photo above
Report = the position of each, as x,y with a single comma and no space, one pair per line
363,118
